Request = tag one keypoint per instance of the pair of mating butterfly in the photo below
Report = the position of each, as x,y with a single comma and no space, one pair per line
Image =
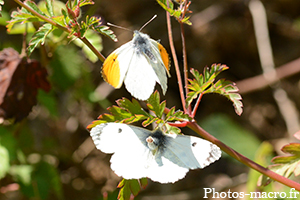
138,152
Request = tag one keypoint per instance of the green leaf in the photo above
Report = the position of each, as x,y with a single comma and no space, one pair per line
285,165
153,103
39,37
128,187
20,16
47,182
204,84
85,2
49,6
21,173
96,24
67,67
4,157
34,7
177,13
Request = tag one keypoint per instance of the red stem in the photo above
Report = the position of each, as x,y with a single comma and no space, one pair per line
196,106
175,60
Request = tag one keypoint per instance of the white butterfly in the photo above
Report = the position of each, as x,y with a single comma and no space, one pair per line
139,63
139,153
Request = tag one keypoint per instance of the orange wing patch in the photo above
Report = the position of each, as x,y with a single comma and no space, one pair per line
164,55
111,71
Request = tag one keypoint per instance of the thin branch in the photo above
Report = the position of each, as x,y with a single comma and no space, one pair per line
175,60
194,126
259,82
46,19
196,105
185,65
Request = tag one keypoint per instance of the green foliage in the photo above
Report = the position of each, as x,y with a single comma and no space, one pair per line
285,165
96,24
67,22
131,111
178,13
39,37
204,84
21,16
4,157
131,187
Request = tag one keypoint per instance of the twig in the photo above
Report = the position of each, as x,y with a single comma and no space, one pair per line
185,65
259,82
175,60
196,105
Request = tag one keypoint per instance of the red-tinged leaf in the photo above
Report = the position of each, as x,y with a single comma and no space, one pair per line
134,107
286,165
19,81
292,148
297,169
128,188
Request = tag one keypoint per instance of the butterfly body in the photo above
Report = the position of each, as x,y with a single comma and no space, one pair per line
139,153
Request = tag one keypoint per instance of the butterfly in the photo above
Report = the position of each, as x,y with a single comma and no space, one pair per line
139,63
139,153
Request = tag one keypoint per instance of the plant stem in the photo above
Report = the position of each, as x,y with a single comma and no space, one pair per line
46,19
175,60
185,65
196,105
195,127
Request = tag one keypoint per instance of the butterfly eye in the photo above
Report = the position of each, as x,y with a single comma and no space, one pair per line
120,130
194,144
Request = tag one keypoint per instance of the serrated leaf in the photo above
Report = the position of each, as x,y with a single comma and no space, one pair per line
39,37
286,165
20,16
205,84
133,107
153,104
178,13
229,90
128,187
34,7
85,2
126,111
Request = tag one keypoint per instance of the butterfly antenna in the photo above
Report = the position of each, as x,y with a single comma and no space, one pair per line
120,27
148,22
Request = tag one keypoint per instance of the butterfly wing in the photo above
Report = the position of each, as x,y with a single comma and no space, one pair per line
191,152
131,156
140,79
116,65
161,67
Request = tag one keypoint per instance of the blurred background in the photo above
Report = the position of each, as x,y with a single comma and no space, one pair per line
49,152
